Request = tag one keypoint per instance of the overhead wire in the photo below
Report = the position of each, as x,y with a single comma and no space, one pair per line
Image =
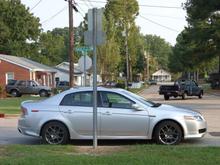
53,16
142,5
156,23
36,5
90,3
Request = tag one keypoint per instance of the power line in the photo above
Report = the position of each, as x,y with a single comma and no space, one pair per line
90,3
36,5
53,16
142,5
149,20
81,12
164,16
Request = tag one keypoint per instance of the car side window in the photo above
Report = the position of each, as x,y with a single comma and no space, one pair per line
78,99
114,100
21,83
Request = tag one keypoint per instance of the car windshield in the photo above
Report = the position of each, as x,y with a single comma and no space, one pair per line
36,83
141,99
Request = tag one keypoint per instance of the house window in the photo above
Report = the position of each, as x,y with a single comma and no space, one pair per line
9,77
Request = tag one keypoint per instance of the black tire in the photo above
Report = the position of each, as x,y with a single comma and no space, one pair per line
43,93
168,133
184,96
166,97
200,95
55,133
15,93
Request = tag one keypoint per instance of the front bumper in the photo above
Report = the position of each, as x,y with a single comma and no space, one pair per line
195,129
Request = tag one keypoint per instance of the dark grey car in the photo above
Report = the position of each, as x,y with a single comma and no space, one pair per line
19,87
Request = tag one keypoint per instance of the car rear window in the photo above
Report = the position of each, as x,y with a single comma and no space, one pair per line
77,99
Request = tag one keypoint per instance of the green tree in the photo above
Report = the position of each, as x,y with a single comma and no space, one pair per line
19,29
159,49
204,27
122,15
51,49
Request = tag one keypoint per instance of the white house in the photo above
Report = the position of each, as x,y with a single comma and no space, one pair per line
161,75
62,73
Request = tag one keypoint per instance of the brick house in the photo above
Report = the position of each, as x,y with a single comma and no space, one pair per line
20,68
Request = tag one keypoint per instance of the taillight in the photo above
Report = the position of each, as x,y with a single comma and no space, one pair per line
24,111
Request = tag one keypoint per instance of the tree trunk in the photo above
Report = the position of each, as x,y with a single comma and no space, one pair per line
219,64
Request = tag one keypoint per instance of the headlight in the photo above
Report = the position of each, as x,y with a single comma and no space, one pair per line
197,118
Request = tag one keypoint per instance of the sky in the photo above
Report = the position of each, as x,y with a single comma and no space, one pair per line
164,22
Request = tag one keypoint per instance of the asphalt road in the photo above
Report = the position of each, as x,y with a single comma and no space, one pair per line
209,106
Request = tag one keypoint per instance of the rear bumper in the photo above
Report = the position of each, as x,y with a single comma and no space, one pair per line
25,129
170,93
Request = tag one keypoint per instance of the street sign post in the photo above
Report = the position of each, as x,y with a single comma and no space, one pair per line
85,61
93,38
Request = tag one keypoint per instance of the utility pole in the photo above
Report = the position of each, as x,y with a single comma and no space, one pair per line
71,44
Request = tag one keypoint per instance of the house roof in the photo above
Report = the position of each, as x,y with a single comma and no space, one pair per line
66,71
161,72
64,66
26,63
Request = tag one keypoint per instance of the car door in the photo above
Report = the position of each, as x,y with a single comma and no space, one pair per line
195,88
22,86
31,87
118,118
78,110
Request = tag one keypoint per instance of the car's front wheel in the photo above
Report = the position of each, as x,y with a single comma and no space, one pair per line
168,132
43,93
55,133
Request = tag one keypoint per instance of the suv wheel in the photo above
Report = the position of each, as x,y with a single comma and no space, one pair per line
184,96
43,93
200,95
15,93
166,97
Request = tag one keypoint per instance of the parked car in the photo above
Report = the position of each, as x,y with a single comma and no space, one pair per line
152,82
181,88
121,115
63,85
110,84
19,87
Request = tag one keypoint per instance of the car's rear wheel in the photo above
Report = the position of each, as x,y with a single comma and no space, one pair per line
55,133
166,97
184,96
15,93
168,132
43,93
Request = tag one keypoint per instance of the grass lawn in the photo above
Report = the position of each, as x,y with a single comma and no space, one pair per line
127,155
11,105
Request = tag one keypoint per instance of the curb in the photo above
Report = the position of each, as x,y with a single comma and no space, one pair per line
2,115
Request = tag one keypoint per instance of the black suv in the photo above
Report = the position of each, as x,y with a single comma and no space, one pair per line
19,87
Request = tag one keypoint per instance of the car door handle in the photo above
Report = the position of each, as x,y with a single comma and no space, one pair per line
68,111
107,113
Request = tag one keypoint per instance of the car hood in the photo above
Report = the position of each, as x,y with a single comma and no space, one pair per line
172,109
44,87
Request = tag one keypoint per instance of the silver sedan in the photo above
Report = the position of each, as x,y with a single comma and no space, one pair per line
121,115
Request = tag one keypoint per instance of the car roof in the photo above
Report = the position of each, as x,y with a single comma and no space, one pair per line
75,89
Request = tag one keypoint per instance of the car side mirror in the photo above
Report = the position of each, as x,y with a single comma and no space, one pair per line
137,107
